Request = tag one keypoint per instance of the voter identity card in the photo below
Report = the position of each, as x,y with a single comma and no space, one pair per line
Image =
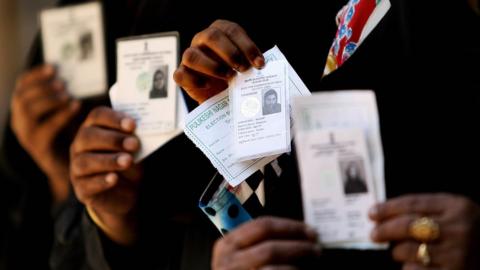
340,158
260,101
146,90
73,41
210,127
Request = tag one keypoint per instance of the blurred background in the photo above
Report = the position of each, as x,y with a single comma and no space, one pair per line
18,27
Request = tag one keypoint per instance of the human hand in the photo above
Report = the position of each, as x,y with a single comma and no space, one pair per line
103,174
453,245
213,58
265,243
40,109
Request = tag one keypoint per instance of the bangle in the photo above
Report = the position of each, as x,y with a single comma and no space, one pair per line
100,224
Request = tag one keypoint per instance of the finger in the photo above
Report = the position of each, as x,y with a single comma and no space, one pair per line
395,229
98,139
88,187
197,60
417,266
407,252
267,228
39,90
426,204
36,75
46,105
198,86
240,38
61,119
216,41
108,118
97,163
276,252
279,267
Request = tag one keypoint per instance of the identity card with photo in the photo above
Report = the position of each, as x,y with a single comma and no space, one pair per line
340,156
210,127
146,90
150,143
260,101
73,41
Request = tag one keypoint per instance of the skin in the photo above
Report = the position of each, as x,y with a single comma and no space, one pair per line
459,221
40,109
265,243
103,174
213,58
206,68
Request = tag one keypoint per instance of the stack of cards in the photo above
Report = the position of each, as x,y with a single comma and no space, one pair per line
145,89
340,158
212,128
73,41
259,101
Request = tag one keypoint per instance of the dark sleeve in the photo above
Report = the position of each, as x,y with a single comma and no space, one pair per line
80,245
68,249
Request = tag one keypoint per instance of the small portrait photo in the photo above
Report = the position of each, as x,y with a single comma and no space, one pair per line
353,174
270,104
159,83
85,45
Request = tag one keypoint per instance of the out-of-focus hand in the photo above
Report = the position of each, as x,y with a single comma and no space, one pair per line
40,109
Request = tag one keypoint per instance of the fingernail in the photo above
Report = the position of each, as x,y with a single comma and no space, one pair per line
131,144
111,178
373,212
311,233
374,234
259,62
124,160
127,124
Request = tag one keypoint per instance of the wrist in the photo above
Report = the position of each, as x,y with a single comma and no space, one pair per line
121,229
59,183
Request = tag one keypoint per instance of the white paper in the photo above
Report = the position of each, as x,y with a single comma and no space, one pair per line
150,143
146,90
348,119
259,102
209,126
73,41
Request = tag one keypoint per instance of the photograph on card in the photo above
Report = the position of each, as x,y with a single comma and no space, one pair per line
271,102
159,83
146,88
353,174
153,84
261,121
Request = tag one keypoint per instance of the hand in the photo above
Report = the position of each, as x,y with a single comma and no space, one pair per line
265,243
459,223
103,174
213,58
41,108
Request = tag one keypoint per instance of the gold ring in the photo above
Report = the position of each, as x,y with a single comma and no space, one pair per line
424,229
422,254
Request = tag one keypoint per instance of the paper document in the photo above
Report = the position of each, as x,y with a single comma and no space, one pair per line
340,157
210,127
